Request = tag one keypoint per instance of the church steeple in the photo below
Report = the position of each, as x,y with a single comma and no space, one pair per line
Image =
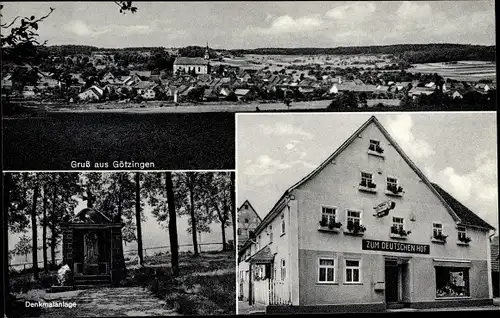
207,55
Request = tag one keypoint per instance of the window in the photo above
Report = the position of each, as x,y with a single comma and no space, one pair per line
452,282
246,221
437,229
392,183
397,224
352,271
198,69
366,178
270,233
462,233
239,231
326,270
246,206
283,226
328,215
283,269
353,217
374,144
258,243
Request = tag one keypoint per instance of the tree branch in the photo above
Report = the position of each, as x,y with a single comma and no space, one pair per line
4,26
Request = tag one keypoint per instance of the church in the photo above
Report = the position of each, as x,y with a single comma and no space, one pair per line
189,65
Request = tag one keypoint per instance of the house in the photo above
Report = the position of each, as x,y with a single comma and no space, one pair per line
143,75
94,93
108,77
28,91
92,248
485,87
210,94
147,89
365,231
417,91
7,82
191,64
457,95
130,80
244,94
248,220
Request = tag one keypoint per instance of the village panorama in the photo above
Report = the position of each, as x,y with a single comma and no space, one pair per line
395,77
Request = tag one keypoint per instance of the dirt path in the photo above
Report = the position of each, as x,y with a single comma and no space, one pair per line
106,301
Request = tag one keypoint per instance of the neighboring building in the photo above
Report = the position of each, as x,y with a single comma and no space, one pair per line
495,271
248,220
366,231
190,64
148,89
94,93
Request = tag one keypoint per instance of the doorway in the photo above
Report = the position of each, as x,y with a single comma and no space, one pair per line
397,282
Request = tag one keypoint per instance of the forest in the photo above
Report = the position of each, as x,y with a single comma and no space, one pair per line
45,200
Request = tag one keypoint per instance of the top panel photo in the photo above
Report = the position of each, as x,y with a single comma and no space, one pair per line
162,57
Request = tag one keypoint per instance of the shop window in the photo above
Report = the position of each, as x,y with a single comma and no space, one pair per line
283,225
352,271
452,282
283,269
326,270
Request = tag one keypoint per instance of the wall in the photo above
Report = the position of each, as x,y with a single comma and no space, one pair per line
337,185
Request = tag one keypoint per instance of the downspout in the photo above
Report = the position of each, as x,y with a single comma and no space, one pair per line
488,262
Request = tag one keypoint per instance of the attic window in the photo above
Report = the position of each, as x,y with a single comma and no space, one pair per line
375,146
246,221
246,206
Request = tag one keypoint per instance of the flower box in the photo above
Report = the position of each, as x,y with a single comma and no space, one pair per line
394,190
397,232
439,238
355,229
368,187
329,226
463,240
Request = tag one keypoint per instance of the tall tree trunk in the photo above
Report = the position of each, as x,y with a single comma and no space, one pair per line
53,227
7,183
44,230
233,207
138,216
34,234
223,228
172,225
193,218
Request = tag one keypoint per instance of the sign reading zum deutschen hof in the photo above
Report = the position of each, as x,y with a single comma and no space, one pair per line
375,245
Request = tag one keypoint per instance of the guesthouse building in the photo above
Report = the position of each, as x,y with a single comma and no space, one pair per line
366,231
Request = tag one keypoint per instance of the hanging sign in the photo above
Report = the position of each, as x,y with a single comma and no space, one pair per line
383,208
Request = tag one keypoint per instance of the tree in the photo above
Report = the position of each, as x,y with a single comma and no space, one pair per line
23,247
138,216
219,197
233,205
172,226
36,189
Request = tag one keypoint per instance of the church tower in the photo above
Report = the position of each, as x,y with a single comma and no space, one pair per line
207,55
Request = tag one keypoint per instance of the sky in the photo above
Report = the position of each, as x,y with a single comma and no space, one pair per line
253,24
458,151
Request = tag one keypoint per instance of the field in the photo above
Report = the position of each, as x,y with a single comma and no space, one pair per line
462,71
170,141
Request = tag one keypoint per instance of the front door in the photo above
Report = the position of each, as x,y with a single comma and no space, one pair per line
391,281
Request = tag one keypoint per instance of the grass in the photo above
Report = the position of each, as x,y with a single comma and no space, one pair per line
206,285
170,141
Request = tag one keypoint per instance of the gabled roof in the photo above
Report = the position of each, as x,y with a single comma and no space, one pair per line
89,215
190,61
263,256
469,220
248,202
466,216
